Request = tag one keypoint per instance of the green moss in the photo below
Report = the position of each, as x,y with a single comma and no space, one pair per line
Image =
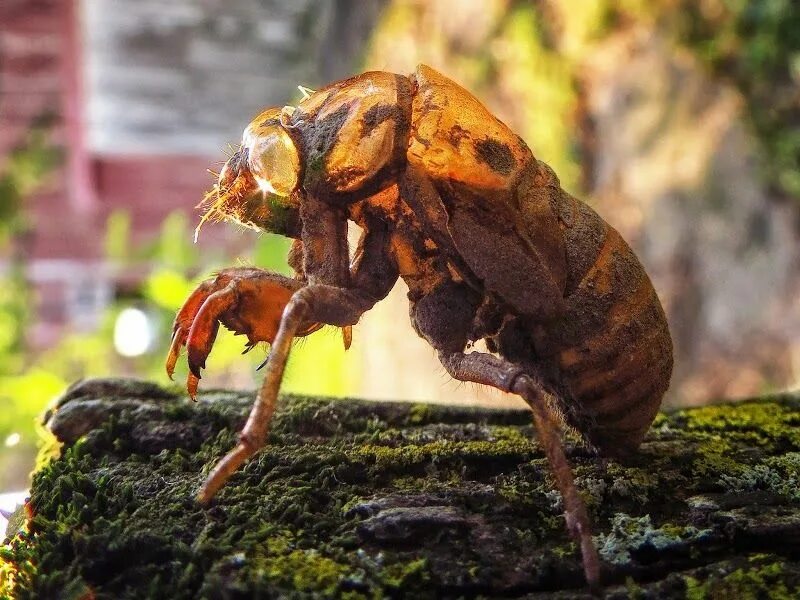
720,432
299,490
634,483
419,413
752,582
411,574
403,457
633,589
360,500
779,475
758,422
301,570
751,577
695,590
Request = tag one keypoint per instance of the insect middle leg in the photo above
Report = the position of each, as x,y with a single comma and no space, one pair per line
504,375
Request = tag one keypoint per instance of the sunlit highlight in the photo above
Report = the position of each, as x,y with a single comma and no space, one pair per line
133,332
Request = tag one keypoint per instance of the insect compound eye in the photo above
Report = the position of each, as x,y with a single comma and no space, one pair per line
273,158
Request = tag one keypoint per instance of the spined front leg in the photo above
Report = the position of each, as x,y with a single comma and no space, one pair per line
246,300
499,373
311,304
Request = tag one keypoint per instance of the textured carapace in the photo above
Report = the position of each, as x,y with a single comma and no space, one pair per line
589,316
491,247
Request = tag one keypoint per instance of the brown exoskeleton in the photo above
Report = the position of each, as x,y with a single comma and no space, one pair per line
490,246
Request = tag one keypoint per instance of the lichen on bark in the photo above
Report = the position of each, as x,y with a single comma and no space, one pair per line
362,500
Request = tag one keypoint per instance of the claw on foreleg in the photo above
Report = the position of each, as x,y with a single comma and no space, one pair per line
206,326
244,300
183,323
178,339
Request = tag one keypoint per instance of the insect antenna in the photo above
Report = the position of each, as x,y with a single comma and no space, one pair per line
212,209
229,150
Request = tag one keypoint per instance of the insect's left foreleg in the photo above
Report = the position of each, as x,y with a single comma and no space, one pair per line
313,303
504,375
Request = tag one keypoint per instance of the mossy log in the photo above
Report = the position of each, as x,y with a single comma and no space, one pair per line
363,500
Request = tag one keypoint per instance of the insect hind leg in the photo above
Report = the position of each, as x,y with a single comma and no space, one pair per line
490,370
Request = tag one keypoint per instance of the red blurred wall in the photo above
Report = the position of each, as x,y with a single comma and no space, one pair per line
41,74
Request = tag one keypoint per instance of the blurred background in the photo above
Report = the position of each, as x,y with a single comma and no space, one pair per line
678,120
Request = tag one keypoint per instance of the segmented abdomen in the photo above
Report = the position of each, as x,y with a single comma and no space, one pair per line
612,350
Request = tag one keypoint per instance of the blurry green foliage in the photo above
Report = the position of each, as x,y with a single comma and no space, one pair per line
23,172
756,45
23,388
118,237
544,77
753,44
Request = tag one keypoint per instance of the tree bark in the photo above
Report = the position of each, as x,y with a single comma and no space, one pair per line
357,499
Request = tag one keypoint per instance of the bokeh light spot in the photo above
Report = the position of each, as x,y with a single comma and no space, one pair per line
133,332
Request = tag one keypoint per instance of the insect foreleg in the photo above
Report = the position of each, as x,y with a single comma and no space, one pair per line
373,276
313,303
504,375
254,434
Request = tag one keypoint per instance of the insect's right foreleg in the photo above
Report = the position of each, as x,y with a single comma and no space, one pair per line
504,375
